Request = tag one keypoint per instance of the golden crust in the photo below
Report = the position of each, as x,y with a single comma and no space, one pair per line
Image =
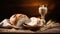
14,18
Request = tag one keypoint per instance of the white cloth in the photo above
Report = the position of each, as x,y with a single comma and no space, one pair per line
5,22
34,21
21,21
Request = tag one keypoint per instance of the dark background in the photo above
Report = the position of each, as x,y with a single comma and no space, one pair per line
30,8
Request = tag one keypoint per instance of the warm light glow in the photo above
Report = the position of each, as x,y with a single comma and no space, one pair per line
34,2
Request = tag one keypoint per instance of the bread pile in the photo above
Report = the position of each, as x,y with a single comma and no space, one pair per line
23,21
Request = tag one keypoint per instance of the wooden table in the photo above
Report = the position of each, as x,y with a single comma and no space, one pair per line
53,30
